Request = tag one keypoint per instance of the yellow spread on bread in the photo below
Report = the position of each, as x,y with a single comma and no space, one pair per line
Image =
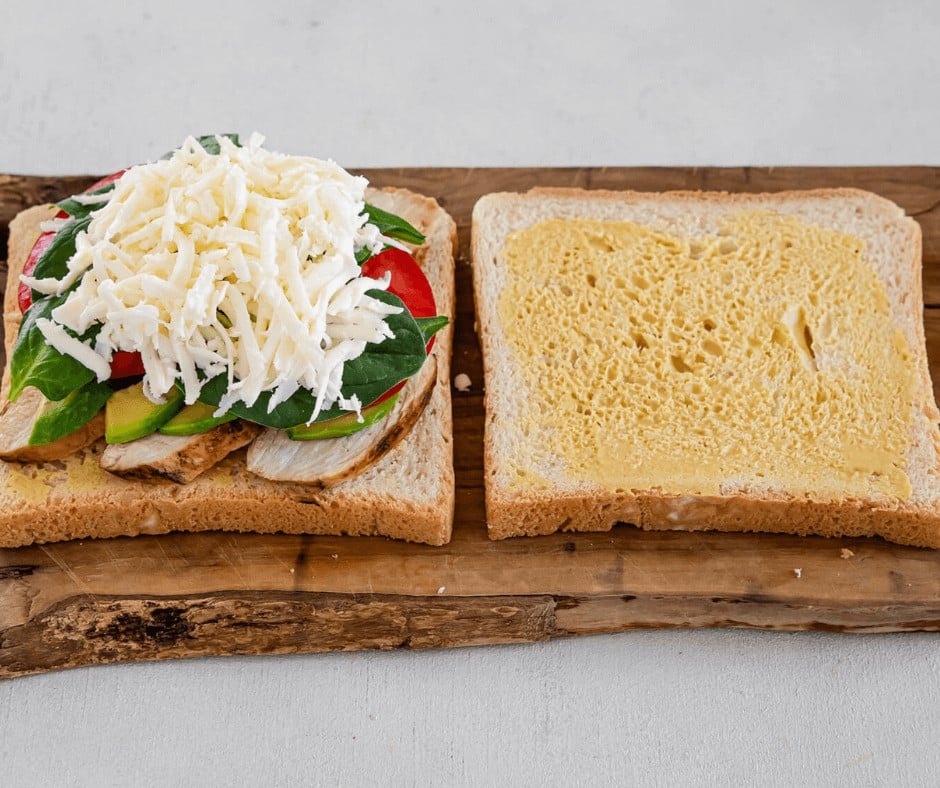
85,473
759,357
30,482
222,475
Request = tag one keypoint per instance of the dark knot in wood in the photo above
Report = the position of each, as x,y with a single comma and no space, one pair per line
13,572
161,625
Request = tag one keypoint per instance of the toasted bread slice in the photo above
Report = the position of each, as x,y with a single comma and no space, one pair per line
695,361
408,494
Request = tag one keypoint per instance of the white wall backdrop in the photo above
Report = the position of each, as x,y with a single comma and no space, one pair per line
89,87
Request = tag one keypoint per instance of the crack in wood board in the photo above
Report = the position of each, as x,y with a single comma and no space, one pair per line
79,631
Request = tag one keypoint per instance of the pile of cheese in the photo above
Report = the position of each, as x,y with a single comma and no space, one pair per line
241,263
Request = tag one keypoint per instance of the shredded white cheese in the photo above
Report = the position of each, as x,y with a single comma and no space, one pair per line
91,199
241,263
58,337
53,225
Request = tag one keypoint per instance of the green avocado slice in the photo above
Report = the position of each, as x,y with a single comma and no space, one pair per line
342,426
195,419
129,415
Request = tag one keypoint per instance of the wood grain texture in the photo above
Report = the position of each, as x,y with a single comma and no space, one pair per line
180,595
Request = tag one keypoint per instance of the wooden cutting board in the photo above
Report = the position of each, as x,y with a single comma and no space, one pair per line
181,595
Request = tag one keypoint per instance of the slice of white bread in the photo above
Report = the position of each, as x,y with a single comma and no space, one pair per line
408,495
539,474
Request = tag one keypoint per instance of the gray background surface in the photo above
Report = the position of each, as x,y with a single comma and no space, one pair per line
89,88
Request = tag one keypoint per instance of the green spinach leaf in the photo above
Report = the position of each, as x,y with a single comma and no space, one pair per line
54,261
76,410
393,226
369,376
430,326
211,144
78,210
36,363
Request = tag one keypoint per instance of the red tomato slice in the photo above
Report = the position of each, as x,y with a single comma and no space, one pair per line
408,281
24,293
126,364
410,284
105,181
390,393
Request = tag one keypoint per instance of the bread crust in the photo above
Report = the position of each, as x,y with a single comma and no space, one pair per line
514,510
408,495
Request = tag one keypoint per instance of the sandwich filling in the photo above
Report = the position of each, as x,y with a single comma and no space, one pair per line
762,357
194,300
240,263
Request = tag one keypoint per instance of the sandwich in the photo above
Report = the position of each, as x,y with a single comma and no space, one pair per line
696,361
228,338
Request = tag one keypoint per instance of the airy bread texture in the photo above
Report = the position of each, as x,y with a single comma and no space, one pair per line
761,364
408,495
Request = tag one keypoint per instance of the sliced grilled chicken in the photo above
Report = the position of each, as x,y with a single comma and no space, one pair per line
327,462
180,458
18,420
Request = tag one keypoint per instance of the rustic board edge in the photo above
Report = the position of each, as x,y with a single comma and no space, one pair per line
83,631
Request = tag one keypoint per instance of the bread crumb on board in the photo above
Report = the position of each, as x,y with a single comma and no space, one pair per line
462,382
846,553
442,589
798,572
